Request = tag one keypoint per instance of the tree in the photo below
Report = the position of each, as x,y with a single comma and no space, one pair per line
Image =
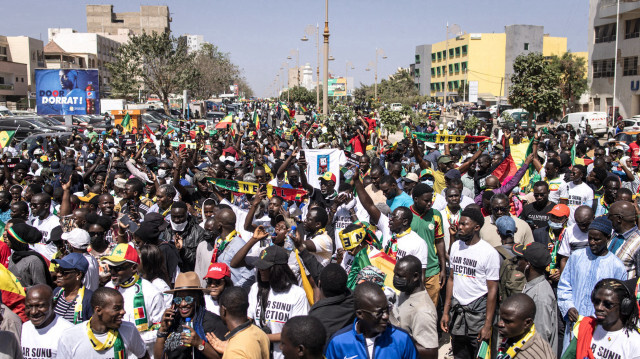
399,87
157,62
300,94
217,72
573,78
463,92
535,85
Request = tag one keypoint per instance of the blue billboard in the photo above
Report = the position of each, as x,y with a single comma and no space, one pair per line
67,92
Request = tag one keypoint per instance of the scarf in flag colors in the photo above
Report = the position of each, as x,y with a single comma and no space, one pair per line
114,339
288,194
432,137
77,310
141,320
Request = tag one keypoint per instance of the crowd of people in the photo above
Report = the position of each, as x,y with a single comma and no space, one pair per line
272,238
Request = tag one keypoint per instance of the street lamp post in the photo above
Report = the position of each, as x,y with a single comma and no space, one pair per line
375,84
311,30
346,78
325,70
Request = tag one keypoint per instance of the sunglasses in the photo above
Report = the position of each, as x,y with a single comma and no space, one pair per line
118,268
215,282
188,299
500,209
607,304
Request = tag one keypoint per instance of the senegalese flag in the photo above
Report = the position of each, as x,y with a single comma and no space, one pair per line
13,293
285,109
126,124
360,261
226,121
169,131
256,119
5,138
531,176
577,160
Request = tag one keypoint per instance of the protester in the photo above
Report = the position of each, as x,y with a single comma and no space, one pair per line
303,337
72,298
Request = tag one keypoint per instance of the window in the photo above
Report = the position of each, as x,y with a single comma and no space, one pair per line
417,59
451,51
457,51
464,66
432,87
433,57
630,66
444,54
417,72
3,53
438,68
632,28
417,85
603,68
439,55
464,50
450,68
526,46
437,86
433,71
456,67
605,33
456,84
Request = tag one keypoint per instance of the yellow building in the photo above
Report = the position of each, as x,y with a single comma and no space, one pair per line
487,58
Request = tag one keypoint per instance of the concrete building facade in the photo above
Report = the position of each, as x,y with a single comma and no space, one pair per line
194,42
95,50
483,57
102,19
29,51
603,30
14,76
421,69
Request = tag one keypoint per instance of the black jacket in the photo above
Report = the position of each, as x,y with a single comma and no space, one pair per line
171,258
192,235
335,313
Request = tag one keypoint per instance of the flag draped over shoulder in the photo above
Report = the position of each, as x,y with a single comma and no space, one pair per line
5,138
13,293
360,261
288,194
432,137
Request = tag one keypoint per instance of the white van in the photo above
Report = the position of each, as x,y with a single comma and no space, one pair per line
4,111
579,120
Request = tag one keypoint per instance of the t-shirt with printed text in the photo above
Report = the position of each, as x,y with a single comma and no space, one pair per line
472,266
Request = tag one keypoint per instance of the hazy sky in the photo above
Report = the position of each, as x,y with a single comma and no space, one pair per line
260,34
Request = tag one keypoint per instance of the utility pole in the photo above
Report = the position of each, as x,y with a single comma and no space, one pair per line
446,65
615,64
325,86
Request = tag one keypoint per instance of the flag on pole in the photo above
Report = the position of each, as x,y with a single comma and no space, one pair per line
5,138
126,124
577,160
148,134
256,119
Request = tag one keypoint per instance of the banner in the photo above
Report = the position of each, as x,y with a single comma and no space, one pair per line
352,158
67,92
321,161
432,137
289,194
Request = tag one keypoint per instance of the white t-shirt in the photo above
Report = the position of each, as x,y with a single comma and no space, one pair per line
211,305
413,244
578,195
621,344
440,202
91,279
43,343
280,307
45,227
472,266
162,287
74,343
323,245
573,239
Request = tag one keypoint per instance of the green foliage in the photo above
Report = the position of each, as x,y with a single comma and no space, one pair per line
391,120
217,72
573,77
535,85
471,124
398,88
508,120
300,94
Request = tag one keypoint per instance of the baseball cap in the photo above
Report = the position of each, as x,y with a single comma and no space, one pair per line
73,261
506,226
444,159
431,145
328,176
271,256
121,253
198,177
560,210
410,177
218,271
426,172
453,174
77,238
535,253
88,197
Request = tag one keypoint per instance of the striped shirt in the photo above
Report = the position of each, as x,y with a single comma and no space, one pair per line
627,250
65,309
536,348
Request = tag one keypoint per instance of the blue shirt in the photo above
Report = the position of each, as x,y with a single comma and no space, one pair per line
392,343
399,201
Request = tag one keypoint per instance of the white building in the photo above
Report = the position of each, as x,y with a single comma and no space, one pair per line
602,54
194,42
95,49
307,77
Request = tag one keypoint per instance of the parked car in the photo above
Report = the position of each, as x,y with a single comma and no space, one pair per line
433,114
630,124
579,120
4,111
519,115
216,116
484,116
23,127
63,136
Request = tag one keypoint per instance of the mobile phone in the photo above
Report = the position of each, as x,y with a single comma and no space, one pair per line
263,187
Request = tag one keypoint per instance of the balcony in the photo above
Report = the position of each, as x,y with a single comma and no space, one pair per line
6,87
608,8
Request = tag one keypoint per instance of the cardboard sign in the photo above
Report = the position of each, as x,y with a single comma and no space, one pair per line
352,158
128,140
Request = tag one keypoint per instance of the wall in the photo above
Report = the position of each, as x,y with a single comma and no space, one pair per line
486,64
27,51
424,67
517,38
101,18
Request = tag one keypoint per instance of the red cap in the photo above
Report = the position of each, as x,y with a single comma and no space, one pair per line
218,271
560,210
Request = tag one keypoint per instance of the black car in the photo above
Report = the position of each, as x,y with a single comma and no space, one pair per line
483,115
24,127
63,136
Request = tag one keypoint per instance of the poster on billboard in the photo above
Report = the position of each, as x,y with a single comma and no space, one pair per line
473,91
337,87
67,92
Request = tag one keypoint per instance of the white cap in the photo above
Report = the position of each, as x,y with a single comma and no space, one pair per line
77,238
441,127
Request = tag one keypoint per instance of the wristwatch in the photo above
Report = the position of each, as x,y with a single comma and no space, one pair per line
201,346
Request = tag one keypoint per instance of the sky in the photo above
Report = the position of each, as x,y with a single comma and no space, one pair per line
260,34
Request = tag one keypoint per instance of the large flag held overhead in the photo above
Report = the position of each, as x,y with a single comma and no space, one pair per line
226,121
577,160
13,293
5,138
126,124
148,134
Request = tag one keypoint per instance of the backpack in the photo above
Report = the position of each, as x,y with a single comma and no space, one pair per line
511,279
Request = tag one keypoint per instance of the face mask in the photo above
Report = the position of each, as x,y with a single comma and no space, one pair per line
162,173
554,225
464,237
403,285
179,227
428,182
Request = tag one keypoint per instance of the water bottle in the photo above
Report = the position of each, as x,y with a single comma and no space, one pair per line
288,242
187,331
